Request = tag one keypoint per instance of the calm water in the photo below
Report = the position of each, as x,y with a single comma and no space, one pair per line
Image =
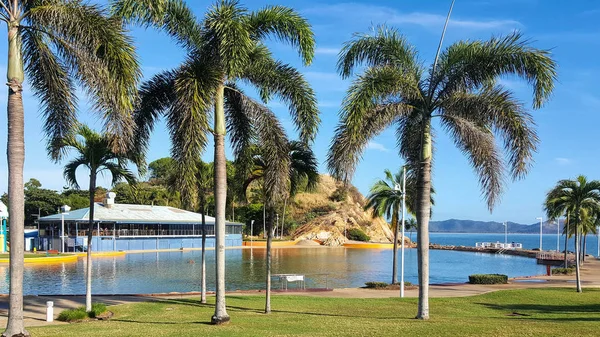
529,241
174,271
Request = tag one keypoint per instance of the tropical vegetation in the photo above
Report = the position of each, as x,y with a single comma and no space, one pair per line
94,152
59,47
461,92
579,200
223,49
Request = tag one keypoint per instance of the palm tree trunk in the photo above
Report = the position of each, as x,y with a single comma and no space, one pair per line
423,215
577,263
203,282
220,315
567,242
16,196
88,267
395,251
268,276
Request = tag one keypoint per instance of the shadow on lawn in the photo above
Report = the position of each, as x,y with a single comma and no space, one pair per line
569,312
196,303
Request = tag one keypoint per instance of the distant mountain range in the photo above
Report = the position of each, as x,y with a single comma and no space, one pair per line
472,226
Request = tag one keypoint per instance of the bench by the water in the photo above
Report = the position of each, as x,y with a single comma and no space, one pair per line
499,245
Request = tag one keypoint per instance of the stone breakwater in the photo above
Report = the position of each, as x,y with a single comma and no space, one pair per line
516,252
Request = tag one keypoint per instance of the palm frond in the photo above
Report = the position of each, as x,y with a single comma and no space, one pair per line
499,110
286,25
172,16
285,82
478,144
469,65
386,47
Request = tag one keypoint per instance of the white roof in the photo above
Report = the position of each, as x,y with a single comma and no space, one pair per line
126,213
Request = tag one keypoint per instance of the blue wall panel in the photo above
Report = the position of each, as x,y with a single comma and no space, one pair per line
125,244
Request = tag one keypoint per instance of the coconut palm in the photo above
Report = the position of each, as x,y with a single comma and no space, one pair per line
460,91
580,199
226,48
385,199
59,45
94,152
411,225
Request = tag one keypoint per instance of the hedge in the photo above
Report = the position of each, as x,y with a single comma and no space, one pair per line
563,271
488,279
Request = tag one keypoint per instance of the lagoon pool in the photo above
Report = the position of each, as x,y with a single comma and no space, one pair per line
180,271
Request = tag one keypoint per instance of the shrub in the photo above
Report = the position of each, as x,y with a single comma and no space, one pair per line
488,279
563,271
97,310
78,314
357,234
72,315
376,285
340,194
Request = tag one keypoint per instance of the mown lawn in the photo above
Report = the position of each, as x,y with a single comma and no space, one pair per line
540,312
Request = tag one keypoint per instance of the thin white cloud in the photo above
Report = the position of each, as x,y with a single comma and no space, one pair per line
357,12
562,161
327,51
377,146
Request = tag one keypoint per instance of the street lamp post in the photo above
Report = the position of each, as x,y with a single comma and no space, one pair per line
251,231
64,209
541,223
505,233
396,187
558,235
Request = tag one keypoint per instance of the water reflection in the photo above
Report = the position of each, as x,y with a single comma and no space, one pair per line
180,271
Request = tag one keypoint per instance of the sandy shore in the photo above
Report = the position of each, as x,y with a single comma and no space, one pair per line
35,306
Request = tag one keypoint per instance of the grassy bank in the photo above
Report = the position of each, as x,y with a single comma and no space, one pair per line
531,312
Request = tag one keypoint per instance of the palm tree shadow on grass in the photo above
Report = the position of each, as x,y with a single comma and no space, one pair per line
531,311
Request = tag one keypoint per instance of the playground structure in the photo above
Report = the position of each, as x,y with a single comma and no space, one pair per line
3,229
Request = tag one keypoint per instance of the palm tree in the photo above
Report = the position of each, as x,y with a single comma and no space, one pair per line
385,199
302,171
225,48
94,152
461,92
580,199
411,225
60,45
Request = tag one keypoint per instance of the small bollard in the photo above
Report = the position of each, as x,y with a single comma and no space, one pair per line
49,311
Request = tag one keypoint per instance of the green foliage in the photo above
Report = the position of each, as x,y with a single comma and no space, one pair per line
563,271
488,279
340,194
357,234
79,314
161,170
38,199
97,310
73,315
376,285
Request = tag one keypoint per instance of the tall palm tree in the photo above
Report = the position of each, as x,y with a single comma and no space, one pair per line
94,152
225,48
580,199
461,92
411,225
302,171
385,199
60,45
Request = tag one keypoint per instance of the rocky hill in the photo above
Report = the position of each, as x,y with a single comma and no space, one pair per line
330,210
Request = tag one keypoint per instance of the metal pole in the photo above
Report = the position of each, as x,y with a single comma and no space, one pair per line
62,232
277,226
264,217
558,235
402,244
541,222
505,233
251,231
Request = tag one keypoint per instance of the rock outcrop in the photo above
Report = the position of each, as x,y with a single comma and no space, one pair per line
331,210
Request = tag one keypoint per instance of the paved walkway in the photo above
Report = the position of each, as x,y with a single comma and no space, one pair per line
35,306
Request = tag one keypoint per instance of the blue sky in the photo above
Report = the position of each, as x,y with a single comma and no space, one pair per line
567,125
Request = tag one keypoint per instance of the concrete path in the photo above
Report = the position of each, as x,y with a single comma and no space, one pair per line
35,306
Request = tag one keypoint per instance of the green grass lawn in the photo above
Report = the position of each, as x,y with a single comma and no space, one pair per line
541,312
